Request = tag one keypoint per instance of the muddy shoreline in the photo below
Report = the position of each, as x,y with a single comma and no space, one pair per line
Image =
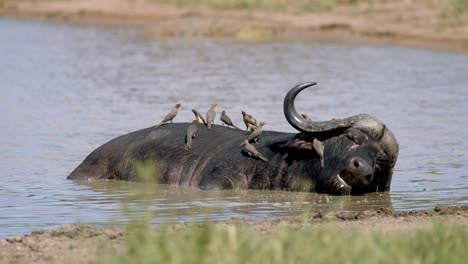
84,243
397,23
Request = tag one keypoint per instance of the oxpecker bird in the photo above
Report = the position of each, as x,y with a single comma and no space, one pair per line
170,116
252,151
249,121
210,115
192,132
226,120
199,117
306,117
255,135
318,147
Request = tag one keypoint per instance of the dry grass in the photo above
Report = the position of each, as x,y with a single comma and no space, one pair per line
453,12
268,5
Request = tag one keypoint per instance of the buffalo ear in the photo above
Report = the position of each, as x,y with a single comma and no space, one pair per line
300,144
309,144
356,135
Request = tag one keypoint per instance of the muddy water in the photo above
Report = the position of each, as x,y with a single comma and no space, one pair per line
66,89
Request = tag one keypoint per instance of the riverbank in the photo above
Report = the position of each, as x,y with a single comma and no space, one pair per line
428,236
413,23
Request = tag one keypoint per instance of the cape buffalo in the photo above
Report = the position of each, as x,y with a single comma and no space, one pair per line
358,156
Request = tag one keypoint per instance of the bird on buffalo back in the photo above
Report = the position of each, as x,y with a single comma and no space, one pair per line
199,117
210,115
170,116
226,120
255,135
192,132
318,147
249,121
252,151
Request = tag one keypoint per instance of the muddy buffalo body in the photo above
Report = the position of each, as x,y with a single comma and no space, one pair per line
359,155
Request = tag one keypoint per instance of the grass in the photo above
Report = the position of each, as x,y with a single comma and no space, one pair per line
238,243
453,12
268,5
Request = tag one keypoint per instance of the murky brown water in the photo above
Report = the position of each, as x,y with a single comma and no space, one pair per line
67,89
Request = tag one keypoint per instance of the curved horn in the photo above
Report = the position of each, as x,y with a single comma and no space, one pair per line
299,123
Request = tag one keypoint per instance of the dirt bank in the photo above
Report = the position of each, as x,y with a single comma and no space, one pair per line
83,243
399,22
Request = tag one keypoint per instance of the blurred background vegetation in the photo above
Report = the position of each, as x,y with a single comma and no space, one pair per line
268,5
238,243
454,10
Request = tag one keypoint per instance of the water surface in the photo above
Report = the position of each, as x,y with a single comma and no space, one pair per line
66,89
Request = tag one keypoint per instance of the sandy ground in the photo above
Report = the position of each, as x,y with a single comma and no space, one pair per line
84,243
399,22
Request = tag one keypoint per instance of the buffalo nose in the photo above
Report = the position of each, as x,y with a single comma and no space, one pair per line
361,168
356,163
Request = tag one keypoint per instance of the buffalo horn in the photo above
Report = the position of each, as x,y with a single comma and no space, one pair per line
303,125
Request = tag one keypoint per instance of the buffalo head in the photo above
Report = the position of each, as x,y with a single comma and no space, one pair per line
359,151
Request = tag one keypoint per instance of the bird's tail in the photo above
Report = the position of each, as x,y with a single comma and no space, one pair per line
158,125
209,125
262,157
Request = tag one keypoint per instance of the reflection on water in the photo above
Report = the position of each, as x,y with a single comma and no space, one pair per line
67,89
179,203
